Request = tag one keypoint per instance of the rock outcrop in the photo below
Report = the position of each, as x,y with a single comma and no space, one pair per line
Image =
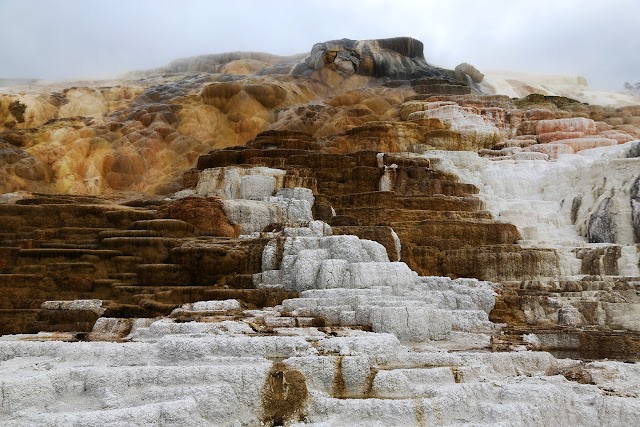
398,58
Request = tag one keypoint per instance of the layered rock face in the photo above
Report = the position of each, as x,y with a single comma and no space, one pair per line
349,237
588,224
135,258
391,198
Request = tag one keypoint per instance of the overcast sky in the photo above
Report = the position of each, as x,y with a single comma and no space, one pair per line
64,39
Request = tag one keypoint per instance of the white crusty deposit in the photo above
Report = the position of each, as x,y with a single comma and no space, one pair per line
227,373
580,207
347,281
577,199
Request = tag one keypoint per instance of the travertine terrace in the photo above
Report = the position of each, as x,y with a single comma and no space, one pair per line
351,237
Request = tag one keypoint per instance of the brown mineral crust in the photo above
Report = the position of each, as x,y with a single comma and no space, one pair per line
138,261
607,344
207,262
499,262
451,234
427,202
379,137
284,139
283,396
343,111
190,178
545,138
206,214
427,208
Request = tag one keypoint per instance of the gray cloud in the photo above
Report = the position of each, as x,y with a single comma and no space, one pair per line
78,38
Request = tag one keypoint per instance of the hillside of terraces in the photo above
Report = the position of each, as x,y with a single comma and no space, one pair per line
348,237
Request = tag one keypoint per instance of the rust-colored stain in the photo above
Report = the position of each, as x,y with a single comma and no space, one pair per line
284,395
420,415
457,375
339,386
368,392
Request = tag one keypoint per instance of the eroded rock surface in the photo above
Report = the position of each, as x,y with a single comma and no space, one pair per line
347,237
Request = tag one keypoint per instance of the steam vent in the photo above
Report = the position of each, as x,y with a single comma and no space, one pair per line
351,237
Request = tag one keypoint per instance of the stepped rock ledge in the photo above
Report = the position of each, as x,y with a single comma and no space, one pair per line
349,237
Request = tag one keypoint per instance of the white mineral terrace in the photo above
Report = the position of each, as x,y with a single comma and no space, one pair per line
560,204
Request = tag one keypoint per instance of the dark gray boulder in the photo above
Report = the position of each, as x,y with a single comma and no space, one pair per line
600,228
635,209
395,58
